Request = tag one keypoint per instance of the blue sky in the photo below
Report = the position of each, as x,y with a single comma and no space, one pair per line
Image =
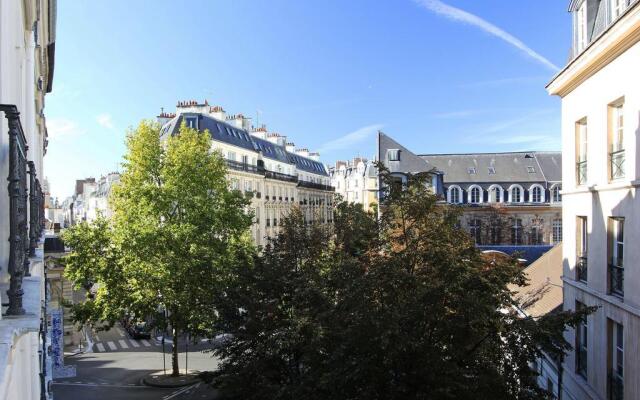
452,76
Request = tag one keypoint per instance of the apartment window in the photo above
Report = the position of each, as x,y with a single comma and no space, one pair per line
581,344
516,194
581,249
471,170
258,216
531,170
618,7
475,195
245,159
516,231
495,232
556,197
581,152
616,254
454,195
616,141
616,357
556,225
393,155
231,156
536,194
235,184
495,194
535,233
192,122
475,229
492,170
581,26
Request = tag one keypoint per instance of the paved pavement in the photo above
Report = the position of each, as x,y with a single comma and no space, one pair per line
116,363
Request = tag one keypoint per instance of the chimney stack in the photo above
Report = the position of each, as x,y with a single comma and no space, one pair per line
303,152
315,156
239,121
291,148
260,132
218,113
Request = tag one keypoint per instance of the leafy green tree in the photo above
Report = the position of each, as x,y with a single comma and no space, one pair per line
176,228
404,307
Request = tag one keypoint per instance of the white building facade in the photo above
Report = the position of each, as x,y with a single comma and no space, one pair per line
279,175
27,47
356,181
600,92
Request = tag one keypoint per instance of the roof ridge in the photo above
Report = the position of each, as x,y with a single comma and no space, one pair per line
493,152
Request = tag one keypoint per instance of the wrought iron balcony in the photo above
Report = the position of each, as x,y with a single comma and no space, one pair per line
313,185
19,242
616,164
279,176
616,279
240,166
582,269
581,172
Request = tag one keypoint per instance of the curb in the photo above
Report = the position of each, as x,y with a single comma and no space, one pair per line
149,381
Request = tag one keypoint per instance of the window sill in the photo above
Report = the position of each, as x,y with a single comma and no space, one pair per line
609,298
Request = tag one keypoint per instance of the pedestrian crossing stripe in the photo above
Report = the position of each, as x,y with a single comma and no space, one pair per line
123,344
134,343
112,345
146,343
100,347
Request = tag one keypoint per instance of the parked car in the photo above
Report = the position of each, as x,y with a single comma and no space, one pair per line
138,330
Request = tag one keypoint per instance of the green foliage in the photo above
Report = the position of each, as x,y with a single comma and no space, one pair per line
176,228
404,307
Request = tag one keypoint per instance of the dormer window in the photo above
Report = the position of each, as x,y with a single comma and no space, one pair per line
492,171
531,170
471,170
618,7
581,26
393,155
192,122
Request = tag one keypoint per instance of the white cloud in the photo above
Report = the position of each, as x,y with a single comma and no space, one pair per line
458,15
351,139
105,120
60,127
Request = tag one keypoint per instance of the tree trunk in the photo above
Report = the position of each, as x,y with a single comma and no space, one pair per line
174,353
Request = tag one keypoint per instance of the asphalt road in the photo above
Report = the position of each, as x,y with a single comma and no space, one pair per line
116,364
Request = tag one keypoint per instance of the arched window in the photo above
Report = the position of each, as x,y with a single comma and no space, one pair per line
556,197
455,195
475,195
515,194
495,194
537,194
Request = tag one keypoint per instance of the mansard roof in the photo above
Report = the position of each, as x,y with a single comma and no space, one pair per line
223,132
530,166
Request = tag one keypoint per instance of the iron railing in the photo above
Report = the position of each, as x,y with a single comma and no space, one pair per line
616,279
18,231
280,176
616,164
582,269
313,185
581,172
240,166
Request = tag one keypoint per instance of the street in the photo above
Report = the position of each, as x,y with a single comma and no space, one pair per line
116,364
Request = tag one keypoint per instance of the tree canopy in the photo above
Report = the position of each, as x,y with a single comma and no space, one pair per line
176,229
398,307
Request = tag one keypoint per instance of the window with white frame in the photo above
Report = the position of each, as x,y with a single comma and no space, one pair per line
454,195
616,355
495,194
581,27
535,233
556,197
475,195
231,156
557,230
618,7
192,122
516,194
393,155
616,141
516,231
581,152
536,194
475,230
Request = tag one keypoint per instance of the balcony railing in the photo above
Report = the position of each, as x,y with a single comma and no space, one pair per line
582,269
581,172
313,185
616,279
18,231
280,176
616,387
240,166
616,164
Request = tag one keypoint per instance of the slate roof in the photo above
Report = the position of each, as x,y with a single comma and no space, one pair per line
409,162
543,292
226,133
498,167
528,253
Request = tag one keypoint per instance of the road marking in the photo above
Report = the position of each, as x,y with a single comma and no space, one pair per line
95,335
146,343
134,343
120,332
100,347
112,345
123,344
180,391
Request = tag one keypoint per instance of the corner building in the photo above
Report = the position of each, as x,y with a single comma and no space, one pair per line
278,174
600,92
